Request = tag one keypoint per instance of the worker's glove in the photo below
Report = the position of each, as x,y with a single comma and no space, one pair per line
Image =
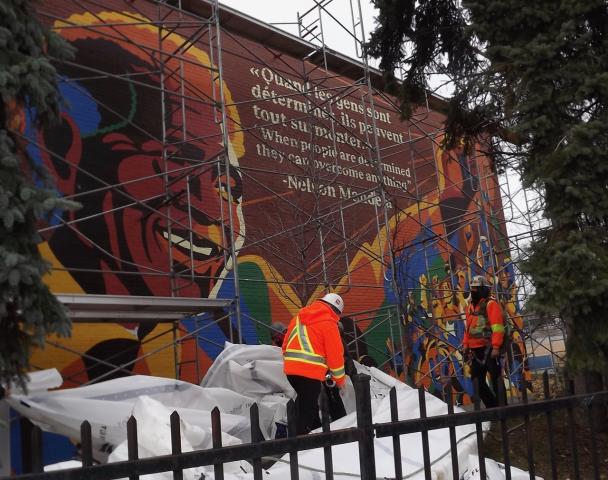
495,353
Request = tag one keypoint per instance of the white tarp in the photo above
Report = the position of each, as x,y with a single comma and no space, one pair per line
240,376
108,405
154,439
256,372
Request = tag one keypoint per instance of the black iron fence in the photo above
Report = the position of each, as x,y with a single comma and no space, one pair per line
260,451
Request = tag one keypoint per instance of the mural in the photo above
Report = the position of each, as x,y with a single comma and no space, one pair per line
110,135
140,146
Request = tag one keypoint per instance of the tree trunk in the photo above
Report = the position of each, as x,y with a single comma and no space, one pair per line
588,382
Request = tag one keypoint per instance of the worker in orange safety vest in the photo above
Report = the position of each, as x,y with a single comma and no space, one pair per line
312,350
483,338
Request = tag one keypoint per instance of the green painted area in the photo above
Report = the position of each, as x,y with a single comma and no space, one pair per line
122,123
437,268
255,295
380,333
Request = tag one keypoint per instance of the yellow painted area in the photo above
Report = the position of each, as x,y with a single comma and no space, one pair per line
58,280
86,335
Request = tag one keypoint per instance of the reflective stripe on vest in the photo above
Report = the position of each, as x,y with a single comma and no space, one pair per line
293,334
305,353
337,373
498,328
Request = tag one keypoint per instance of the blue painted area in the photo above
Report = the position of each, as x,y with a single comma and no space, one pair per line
249,332
542,362
415,261
55,448
81,108
77,104
211,337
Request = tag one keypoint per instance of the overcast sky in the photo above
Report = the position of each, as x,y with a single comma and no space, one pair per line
283,12
338,19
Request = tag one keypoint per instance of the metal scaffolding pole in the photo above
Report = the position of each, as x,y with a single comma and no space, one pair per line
227,166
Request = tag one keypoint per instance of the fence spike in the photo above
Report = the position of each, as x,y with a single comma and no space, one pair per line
396,438
426,454
504,432
132,446
549,415
367,462
325,420
86,444
256,437
452,430
291,419
573,443
292,432
591,418
37,462
476,400
479,431
216,438
176,442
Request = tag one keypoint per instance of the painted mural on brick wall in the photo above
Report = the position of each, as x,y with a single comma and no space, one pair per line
299,183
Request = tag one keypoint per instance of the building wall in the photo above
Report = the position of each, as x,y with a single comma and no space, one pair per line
306,211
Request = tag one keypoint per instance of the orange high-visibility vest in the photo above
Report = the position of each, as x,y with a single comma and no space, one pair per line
312,345
484,325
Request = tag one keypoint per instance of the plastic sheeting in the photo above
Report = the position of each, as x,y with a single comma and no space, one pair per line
256,372
154,439
240,376
108,405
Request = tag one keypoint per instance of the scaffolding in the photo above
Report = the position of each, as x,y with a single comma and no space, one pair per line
185,73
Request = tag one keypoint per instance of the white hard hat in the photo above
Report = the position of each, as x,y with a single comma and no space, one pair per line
480,281
334,300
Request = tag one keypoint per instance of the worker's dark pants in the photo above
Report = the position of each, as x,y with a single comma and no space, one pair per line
481,365
307,403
